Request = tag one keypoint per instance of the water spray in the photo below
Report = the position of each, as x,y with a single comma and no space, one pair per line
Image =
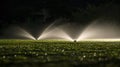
99,30
96,30
23,33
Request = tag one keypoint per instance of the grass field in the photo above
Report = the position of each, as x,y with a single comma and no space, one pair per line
52,53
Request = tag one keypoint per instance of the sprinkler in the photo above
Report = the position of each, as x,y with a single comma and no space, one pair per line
75,41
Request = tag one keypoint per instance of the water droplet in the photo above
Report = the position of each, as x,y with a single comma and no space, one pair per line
84,56
94,54
45,53
37,54
4,56
63,50
15,55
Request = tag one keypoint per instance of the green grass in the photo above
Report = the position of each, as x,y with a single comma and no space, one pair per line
44,52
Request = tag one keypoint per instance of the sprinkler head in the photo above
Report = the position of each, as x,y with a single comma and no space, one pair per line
75,41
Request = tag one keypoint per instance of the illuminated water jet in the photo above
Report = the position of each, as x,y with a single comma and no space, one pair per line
100,30
56,33
23,33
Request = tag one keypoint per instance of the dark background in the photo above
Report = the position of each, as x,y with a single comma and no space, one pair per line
35,15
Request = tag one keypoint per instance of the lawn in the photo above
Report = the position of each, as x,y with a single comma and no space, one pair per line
56,53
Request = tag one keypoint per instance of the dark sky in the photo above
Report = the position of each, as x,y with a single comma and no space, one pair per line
34,14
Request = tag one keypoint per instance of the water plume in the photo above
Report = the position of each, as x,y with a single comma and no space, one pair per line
55,31
20,32
100,30
25,34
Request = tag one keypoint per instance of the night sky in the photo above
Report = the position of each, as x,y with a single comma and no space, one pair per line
35,15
